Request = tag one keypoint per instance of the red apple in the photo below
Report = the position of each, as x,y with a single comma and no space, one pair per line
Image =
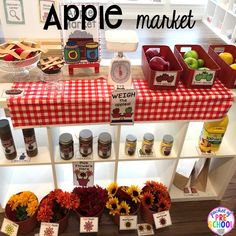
158,63
151,52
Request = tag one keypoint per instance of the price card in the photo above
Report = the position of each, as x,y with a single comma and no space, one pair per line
162,219
145,229
88,224
128,222
9,227
48,229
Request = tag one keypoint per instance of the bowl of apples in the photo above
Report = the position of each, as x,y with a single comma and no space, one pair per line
19,57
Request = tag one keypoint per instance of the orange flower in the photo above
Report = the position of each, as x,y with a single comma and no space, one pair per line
147,199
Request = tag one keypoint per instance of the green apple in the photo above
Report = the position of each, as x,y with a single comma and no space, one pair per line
191,53
200,62
191,62
203,68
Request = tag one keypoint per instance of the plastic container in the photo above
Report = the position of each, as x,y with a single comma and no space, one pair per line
158,80
227,75
197,78
212,135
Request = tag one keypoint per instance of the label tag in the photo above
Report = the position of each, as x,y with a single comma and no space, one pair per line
162,219
185,49
22,158
145,229
9,227
6,93
219,50
203,77
165,78
83,173
88,224
122,106
128,222
48,229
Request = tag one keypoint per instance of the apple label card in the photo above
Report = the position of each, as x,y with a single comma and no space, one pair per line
9,227
145,229
88,224
162,219
128,222
48,229
203,77
165,78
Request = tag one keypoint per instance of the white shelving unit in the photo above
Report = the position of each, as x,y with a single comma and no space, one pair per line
220,16
47,170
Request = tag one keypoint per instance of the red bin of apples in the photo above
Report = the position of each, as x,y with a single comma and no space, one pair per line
225,57
199,69
160,67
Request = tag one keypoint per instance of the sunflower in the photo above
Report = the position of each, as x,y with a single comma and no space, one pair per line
147,199
112,189
163,204
113,205
134,192
124,208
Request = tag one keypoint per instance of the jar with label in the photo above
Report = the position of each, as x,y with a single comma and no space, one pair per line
85,142
66,146
130,145
7,140
30,142
167,144
92,51
104,145
147,144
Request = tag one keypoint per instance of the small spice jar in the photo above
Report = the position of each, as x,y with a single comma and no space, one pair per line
85,142
7,140
30,142
166,144
104,145
147,144
66,146
130,145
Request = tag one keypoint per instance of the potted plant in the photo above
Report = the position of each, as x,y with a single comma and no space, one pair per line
55,208
155,198
21,208
123,200
92,201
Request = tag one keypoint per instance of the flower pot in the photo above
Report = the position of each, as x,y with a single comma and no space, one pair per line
25,226
147,214
63,223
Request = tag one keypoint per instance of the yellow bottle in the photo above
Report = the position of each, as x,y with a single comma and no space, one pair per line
212,135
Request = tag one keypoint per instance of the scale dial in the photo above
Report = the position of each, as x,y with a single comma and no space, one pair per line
120,71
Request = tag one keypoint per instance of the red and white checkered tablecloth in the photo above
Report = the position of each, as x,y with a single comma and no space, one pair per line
88,101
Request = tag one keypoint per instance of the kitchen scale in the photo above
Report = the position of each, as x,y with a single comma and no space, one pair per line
120,68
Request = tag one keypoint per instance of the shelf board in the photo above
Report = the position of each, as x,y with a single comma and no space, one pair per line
157,155
43,158
190,150
221,5
178,195
94,158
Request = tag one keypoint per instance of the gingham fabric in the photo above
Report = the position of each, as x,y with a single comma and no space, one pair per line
88,101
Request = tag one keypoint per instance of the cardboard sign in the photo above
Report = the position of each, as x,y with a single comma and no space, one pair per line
145,229
48,229
128,222
123,106
14,11
44,7
83,173
81,46
166,78
9,227
203,77
162,219
88,224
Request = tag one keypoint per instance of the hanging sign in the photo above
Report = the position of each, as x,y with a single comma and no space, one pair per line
123,106
47,229
14,11
44,8
9,227
83,173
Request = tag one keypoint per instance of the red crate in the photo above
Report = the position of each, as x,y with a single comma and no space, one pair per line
197,78
161,79
227,75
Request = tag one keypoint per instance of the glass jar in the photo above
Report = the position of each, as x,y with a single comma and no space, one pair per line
104,145
147,144
30,142
7,140
130,145
66,144
92,51
166,145
85,142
